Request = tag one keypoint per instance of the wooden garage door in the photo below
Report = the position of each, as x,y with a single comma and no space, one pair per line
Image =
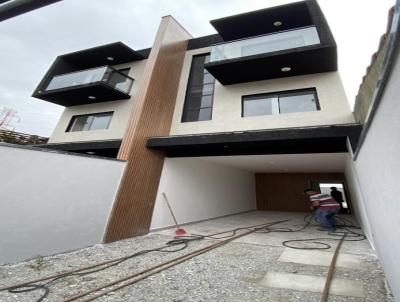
284,191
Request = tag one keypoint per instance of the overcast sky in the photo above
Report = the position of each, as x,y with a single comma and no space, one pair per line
29,43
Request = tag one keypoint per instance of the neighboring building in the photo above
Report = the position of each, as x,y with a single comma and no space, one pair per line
19,138
266,83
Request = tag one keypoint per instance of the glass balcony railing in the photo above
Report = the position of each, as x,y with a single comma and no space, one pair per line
106,74
299,37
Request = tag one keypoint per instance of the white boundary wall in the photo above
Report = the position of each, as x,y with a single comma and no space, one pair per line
53,202
198,190
377,170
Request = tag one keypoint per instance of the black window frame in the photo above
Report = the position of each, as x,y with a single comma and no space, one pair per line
283,93
187,106
74,117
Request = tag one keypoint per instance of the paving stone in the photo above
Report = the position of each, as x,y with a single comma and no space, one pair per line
343,287
320,258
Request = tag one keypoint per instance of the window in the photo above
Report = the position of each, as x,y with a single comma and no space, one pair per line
88,122
199,92
279,103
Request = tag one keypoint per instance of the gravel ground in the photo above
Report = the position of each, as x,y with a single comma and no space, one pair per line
229,273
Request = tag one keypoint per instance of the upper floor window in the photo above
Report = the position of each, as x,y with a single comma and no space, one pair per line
281,102
87,122
199,92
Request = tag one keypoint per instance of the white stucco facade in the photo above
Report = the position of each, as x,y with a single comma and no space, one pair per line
227,103
121,112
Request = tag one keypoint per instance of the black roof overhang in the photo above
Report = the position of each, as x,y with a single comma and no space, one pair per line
304,60
97,56
260,22
78,95
321,139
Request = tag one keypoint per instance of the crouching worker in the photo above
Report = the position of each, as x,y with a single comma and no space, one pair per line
325,207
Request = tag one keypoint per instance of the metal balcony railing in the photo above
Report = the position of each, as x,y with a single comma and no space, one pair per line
283,40
105,74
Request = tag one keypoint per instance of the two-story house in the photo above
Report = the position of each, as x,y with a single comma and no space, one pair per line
239,120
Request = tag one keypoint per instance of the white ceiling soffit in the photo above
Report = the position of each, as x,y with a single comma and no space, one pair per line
284,163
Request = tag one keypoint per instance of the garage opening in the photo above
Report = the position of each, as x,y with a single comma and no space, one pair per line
201,188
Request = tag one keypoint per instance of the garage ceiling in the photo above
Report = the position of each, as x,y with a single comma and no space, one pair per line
284,163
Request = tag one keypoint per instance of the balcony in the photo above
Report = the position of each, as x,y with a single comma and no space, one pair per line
288,40
265,44
100,84
85,77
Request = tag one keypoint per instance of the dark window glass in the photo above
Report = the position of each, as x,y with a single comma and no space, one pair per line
280,103
199,92
90,122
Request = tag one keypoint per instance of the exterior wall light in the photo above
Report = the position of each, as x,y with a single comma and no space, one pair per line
286,69
277,23
91,97
110,58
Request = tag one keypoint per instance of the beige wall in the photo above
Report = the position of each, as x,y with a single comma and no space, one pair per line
121,108
226,114
226,109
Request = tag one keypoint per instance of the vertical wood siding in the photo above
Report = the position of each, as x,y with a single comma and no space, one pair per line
284,191
151,116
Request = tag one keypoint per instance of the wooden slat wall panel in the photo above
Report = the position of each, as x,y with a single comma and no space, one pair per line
284,191
151,116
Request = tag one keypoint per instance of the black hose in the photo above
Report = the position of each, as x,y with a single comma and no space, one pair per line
182,242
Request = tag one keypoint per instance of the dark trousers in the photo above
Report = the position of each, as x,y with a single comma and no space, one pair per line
326,217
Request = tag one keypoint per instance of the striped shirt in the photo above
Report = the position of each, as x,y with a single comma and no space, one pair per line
324,201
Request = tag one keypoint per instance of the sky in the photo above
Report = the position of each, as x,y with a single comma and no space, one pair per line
29,43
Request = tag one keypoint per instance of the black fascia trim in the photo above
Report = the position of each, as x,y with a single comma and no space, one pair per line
50,95
318,18
127,53
260,22
318,139
78,146
145,53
